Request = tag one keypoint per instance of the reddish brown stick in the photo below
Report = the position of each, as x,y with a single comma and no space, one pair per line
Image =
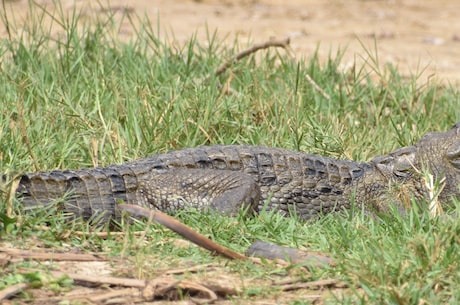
182,230
258,248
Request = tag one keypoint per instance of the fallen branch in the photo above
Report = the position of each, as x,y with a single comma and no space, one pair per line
258,248
181,229
46,255
272,43
317,87
120,294
147,289
312,285
193,269
105,234
12,290
283,43
102,280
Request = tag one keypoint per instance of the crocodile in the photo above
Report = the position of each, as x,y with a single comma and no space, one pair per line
228,178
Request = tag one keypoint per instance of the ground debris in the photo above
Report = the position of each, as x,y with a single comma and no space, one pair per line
44,255
212,283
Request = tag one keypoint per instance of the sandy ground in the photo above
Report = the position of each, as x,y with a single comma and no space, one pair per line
418,37
413,35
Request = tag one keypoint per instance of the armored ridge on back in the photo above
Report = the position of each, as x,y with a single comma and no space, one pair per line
227,178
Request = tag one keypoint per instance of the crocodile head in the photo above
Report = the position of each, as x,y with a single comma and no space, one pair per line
437,153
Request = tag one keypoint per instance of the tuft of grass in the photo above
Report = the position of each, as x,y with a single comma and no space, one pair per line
74,95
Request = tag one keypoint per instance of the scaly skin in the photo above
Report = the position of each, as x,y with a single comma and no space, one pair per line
227,178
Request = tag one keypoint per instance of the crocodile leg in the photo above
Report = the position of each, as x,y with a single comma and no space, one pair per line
225,191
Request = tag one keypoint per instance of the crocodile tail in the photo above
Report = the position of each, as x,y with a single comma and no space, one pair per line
89,193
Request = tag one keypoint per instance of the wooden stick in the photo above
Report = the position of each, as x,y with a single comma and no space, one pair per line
313,285
258,248
41,255
149,288
12,290
102,280
126,292
182,230
272,43
317,87
105,234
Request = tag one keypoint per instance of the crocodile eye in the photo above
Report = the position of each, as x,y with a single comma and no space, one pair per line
404,159
399,165
453,155
403,166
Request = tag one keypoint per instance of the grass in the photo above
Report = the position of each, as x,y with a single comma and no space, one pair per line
73,95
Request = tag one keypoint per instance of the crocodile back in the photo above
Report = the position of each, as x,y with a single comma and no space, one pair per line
288,180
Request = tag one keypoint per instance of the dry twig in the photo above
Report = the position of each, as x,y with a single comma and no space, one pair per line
105,234
12,290
317,87
119,294
312,285
284,43
258,248
102,280
192,269
42,255
181,229
147,289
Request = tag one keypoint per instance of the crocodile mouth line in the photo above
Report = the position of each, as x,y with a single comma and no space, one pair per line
456,164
